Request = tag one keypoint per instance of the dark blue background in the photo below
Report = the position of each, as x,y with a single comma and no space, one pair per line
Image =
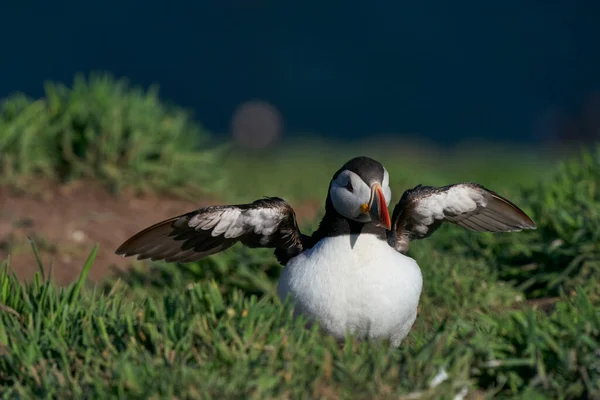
445,70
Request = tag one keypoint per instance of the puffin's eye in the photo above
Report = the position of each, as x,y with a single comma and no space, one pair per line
349,187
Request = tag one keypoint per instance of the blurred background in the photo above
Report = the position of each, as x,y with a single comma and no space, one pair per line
115,115
173,105
258,70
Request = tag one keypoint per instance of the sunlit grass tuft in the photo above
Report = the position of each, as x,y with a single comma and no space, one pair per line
105,129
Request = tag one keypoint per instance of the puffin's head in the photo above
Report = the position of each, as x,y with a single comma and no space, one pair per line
360,191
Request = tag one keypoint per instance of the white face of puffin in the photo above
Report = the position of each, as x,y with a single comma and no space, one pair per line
354,199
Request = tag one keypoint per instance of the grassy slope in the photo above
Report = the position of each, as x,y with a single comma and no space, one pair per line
155,334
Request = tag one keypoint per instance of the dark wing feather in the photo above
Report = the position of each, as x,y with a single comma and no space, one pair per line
421,211
268,222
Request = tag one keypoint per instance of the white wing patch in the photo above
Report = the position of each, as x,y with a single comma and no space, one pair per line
269,222
233,222
206,221
264,221
457,200
421,211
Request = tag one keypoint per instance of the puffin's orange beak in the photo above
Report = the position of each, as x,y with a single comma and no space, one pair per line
378,209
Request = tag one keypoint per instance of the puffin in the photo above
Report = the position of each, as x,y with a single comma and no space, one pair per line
352,275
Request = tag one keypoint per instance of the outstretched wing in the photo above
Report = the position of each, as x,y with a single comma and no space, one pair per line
268,222
422,210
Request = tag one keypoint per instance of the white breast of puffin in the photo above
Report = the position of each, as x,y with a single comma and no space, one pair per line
355,283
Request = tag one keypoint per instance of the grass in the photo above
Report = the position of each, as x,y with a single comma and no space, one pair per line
103,128
300,169
214,329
